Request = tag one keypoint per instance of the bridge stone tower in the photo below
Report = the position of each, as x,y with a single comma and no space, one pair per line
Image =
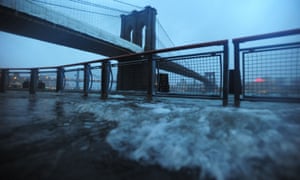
138,28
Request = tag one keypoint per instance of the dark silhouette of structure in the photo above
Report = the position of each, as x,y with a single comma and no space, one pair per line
139,28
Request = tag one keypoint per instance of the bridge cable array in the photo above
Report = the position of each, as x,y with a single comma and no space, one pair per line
163,39
162,34
74,8
125,3
99,6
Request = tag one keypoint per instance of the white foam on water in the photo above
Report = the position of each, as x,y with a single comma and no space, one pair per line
221,141
117,96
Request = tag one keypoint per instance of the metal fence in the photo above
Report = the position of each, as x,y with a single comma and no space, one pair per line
73,79
201,75
18,80
268,67
46,80
198,70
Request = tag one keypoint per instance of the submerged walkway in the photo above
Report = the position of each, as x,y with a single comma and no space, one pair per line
42,138
61,136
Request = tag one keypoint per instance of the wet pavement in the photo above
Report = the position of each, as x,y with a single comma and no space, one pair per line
41,137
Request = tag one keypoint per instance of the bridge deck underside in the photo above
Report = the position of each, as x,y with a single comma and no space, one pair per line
30,26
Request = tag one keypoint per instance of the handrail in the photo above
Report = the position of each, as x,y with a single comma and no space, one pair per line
267,36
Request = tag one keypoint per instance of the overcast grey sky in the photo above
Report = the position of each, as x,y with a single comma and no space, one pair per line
190,21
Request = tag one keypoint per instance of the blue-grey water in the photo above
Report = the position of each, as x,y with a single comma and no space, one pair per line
67,136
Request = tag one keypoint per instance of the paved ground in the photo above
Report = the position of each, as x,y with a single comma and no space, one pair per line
40,138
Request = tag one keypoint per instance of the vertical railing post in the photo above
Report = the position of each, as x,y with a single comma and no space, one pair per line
151,77
60,79
237,74
4,80
105,79
86,79
77,86
225,74
34,77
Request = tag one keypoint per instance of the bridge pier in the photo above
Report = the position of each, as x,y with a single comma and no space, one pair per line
132,77
139,28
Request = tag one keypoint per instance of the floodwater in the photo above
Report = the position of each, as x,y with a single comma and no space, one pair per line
67,136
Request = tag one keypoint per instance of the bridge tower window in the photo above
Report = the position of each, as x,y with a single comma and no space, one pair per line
143,37
131,35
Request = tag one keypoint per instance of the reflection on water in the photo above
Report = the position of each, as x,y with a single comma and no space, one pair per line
59,109
31,103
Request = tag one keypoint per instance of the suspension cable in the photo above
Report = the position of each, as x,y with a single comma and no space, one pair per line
165,32
99,6
72,8
128,4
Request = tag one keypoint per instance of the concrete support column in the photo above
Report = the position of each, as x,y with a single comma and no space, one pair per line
60,79
34,78
137,27
4,80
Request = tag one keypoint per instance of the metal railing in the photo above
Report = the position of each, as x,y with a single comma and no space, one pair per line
198,70
267,67
201,75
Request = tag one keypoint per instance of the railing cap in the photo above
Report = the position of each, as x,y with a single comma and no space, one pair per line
267,36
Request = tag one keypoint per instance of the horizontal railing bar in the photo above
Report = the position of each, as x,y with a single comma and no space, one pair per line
95,67
28,69
133,62
178,95
18,70
47,71
272,99
272,47
267,36
206,54
74,70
